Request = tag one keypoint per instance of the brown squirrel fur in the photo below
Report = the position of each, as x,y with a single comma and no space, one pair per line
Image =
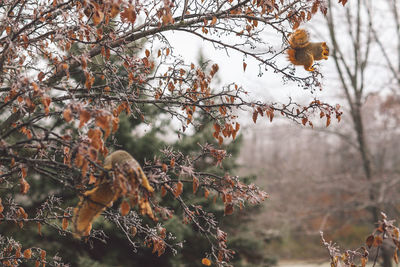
303,52
105,192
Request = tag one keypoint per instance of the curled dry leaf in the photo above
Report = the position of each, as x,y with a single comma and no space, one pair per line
178,189
370,241
378,240
39,228
1,206
129,14
206,193
67,114
164,167
124,208
195,184
98,17
65,222
42,254
24,186
27,253
206,262
114,9
84,117
228,209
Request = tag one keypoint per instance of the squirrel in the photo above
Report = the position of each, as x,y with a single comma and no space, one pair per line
303,52
106,191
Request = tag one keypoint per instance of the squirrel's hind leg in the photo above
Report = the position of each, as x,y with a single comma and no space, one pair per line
308,63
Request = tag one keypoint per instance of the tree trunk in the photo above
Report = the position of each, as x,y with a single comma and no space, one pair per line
386,251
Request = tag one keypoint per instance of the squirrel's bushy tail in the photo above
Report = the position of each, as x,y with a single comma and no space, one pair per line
299,39
292,56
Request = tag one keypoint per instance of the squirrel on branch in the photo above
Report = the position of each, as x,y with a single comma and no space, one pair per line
303,52
125,183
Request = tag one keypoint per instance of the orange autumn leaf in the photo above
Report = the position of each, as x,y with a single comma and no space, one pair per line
97,17
114,9
364,261
46,100
206,262
369,241
206,193
115,124
378,240
92,179
39,228
164,167
1,207
328,121
178,189
163,191
67,114
103,122
228,209
195,184
35,87
42,254
255,116
95,137
27,253
124,208
18,252
23,172
84,117
24,186
129,14
65,222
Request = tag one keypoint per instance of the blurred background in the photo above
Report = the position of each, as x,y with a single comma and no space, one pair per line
334,179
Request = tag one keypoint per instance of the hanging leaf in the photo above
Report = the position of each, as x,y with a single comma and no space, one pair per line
65,222
206,193
206,262
129,14
27,253
369,241
114,9
178,189
97,17
67,114
42,254
24,186
195,184
39,228
255,115
163,191
124,208
377,241
84,117
328,121
228,209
